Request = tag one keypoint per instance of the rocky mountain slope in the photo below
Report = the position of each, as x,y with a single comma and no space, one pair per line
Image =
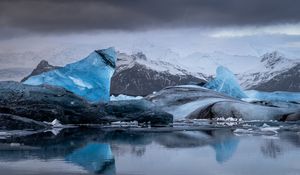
275,73
137,75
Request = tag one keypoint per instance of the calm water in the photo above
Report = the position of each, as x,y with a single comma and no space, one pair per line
215,151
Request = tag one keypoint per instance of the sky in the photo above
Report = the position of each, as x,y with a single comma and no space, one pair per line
246,27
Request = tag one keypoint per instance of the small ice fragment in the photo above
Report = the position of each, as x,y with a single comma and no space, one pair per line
15,144
56,123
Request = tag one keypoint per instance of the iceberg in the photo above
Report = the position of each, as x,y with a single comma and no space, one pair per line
124,97
88,78
274,96
195,102
226,83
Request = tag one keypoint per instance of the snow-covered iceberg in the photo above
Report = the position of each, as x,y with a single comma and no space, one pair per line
226,83
88,78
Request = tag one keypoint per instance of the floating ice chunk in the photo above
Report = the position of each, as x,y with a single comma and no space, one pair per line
124,97
274,96
15,144
88,78
56,123
125,124
225,82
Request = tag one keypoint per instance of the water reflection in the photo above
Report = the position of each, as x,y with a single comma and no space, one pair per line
271,149
225,147
94,150
94,157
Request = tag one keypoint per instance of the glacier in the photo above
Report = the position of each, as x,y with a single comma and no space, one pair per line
88,78
226,83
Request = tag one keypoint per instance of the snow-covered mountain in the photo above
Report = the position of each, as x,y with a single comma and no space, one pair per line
141,74
271,72
274,73
137,75
207,63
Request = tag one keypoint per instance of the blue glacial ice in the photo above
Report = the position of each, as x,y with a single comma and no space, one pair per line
88,78
226,83
274,96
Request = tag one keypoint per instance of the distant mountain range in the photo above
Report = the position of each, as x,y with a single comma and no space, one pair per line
270,72
136,74
275,73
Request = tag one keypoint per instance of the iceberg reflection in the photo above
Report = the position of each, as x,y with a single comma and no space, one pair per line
95,158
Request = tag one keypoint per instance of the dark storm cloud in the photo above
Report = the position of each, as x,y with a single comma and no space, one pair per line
82,15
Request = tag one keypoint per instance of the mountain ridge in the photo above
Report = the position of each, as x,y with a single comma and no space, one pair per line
269,72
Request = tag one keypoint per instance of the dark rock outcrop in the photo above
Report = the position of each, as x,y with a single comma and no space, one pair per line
42,67
46,103
136,110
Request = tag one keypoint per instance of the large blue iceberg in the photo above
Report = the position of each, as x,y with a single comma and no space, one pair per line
226,83
88,78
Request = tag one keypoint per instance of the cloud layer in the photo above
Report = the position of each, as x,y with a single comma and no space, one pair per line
84,15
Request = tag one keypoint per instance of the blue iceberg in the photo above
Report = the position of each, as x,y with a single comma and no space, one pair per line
88,78
226,83
95,157
274,96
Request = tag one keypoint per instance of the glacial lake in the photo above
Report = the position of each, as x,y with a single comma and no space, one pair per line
182,150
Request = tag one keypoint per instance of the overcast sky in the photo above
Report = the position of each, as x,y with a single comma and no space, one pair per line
152,21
